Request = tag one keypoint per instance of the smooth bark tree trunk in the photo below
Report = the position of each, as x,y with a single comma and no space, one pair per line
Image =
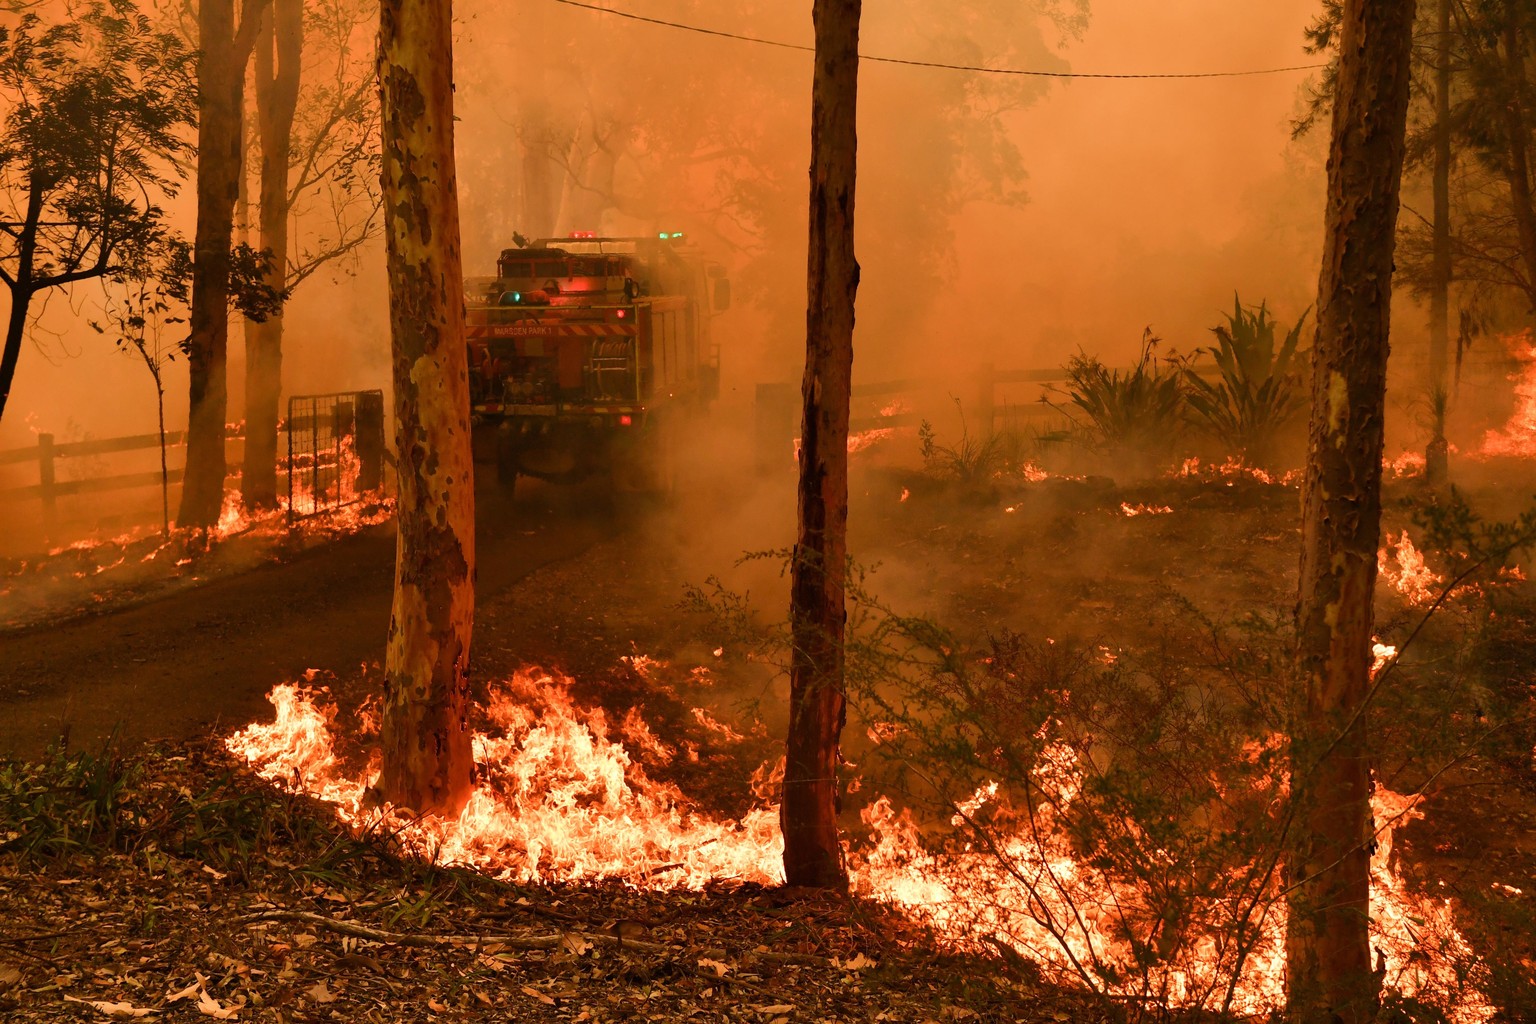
279,53
1519,164
1329,969
428,763
224,50
808,817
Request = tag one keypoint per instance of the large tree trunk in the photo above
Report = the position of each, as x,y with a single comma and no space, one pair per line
221,98
278,57
812,852
1518,167
428,764
1329,968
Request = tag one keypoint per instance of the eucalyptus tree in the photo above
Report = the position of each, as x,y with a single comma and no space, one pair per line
428,761
1329,973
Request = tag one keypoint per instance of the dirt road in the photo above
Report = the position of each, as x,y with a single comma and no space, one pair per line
190,659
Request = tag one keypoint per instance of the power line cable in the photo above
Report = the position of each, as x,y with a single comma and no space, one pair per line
700,30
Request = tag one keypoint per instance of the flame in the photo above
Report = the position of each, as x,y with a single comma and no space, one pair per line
1235,469
1518,438
1410,463
1381,654
560,796
863,439
564,795
859,440
1032,892
1128,509
356,512
1412,577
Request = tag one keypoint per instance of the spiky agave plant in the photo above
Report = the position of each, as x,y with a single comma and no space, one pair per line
1138,411
1256,394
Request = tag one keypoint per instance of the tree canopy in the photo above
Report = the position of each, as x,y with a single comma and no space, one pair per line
99,106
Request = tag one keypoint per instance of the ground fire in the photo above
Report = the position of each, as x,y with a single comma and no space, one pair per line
926,513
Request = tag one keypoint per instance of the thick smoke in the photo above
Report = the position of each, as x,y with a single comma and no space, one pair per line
1010,220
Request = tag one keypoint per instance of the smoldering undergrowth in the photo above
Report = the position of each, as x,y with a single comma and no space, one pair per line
1115,817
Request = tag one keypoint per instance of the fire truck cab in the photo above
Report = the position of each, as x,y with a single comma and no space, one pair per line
588,354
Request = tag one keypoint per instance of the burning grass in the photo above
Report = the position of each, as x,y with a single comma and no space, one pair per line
1076,863
564,794
86,574
1148,914
171,885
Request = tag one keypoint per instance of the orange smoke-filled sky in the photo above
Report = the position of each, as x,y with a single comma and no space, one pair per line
1149,203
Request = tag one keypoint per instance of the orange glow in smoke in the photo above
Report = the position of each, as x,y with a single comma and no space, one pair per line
1518,437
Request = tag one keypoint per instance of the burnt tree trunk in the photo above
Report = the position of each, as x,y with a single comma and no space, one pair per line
812,852
223,52
428,763
1437,453
1518,167
278,56
1440,264
1329,970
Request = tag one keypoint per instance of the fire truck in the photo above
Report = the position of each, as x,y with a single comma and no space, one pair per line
588,355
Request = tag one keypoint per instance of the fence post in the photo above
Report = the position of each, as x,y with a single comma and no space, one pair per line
986,398
776,424
45,479
370,440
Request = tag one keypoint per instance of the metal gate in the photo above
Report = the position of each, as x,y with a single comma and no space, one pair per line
335,450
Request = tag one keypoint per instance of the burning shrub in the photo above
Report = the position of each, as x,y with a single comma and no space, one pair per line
1120,820
1113,822
1257,394
1136,413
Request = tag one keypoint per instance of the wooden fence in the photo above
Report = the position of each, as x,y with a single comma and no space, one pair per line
308,415
47,454
777,412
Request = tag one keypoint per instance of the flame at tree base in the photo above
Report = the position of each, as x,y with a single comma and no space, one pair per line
564,795
558,799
